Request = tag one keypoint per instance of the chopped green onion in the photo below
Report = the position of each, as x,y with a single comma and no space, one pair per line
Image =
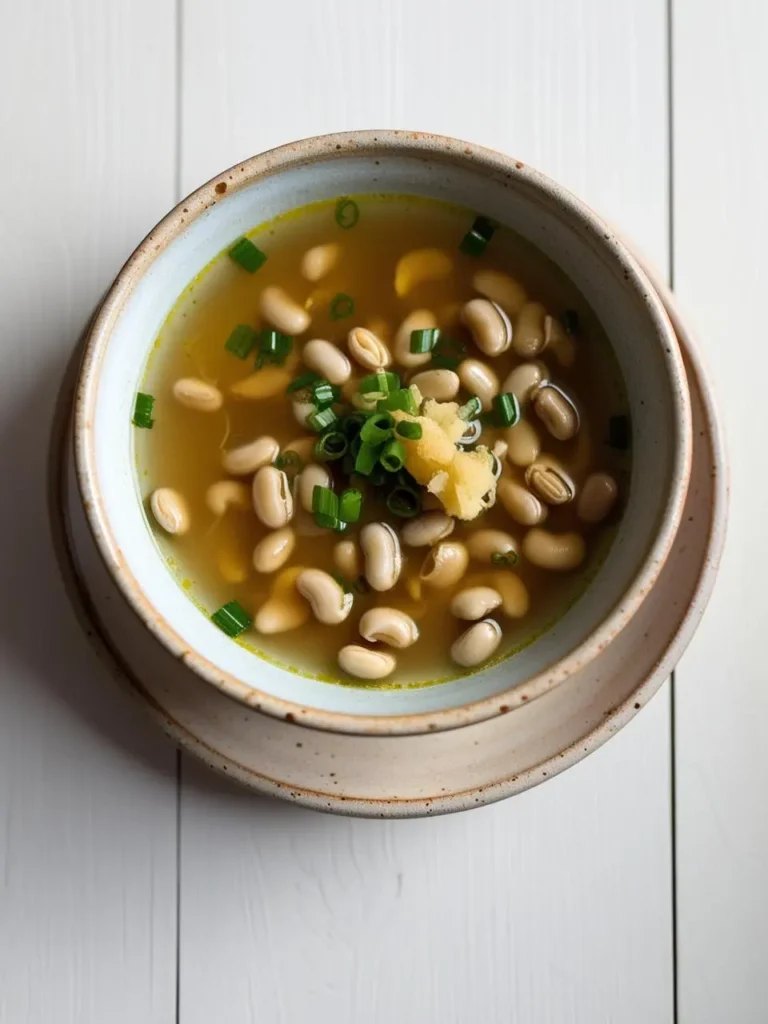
331,446
404,502
424,341
304,381
478,237
506,409
381,381
504,558
325,507
324,394
289,460
232,619
619,432
241,341
274,346
410,431
470,409
347,213
350,505
322,419
245,253
401,399
352,422
393,456
571,321
366,458
142,411
377,428
341,306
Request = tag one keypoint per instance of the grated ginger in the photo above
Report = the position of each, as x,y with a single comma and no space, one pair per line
462,481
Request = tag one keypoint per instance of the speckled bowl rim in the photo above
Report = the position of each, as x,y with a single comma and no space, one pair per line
378,144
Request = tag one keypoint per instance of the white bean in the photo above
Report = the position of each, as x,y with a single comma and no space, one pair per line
475,602
523,443
476,644
247,458
196,394
327,360
346,559
442,385
303,446
492,546
363,663
559,341
524,380
311,476
479,380
556,411
597,498
389,626
319,261
265,383
367,349
418,266
501,288
170,510
226,494
427,529
524,507
382,555
274,550
327,598
529,330
559,552
489,326
445,564
281,311
272,498
515,601
418,320
547,478
285,608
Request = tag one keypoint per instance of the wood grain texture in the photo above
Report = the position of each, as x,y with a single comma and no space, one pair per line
721,221
87,789
554,907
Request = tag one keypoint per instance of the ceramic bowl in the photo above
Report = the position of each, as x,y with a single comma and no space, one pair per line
568,232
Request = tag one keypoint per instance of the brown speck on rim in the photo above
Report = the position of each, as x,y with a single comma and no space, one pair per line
185,210
221,187
523,696
338,147
290,717
432,726
519,165
637,707
299,744
504,709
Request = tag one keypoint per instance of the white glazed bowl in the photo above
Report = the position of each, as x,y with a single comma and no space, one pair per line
610,280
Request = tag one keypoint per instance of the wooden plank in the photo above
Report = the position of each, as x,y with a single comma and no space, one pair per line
87,789
720,263
555,906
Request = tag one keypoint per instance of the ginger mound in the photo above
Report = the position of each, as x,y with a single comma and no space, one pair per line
462,480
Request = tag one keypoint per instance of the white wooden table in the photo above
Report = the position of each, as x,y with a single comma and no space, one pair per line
135,887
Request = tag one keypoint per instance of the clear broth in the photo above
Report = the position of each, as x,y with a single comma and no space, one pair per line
184,449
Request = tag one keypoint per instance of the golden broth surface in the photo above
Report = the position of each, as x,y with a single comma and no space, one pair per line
183,451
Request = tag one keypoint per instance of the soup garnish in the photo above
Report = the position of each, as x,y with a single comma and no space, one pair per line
391,425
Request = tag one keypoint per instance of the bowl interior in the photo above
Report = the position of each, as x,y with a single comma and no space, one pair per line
541,213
